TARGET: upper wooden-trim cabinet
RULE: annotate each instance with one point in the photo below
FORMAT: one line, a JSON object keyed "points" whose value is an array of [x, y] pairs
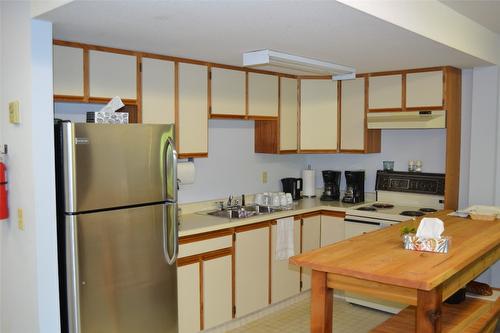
{"points": [[112, 74], [262, 95], [68, 71], [227, 93], [407, 90], [158, 91]]}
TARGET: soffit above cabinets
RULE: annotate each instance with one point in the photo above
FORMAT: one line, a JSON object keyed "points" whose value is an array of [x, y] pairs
{"points": [[220, 31]]}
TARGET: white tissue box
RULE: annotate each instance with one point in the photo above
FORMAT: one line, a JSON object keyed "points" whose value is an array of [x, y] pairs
{"points": [[102, 117], [438, 245]]}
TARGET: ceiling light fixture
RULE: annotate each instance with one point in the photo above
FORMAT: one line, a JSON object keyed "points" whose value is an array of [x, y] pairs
{"points": [[280, 59]]}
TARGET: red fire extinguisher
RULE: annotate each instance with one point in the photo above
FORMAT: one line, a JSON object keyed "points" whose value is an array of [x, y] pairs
{"points": [[4, 206]]}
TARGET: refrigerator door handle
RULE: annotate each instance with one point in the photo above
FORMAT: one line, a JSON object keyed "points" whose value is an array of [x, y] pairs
{"points": [[170, 169], [170, 252], [72, 274]]}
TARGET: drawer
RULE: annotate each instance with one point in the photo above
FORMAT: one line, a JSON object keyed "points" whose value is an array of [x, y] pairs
{"points": [[198, 247]]}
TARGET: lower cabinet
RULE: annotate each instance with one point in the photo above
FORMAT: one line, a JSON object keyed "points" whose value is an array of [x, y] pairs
{"points": [[251, 268], [188, 298], [332, 229], [204, 284], [285, 278], [217, 291], [311, 236]]}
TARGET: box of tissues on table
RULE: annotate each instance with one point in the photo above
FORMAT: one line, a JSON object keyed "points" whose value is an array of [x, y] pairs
{"points": [[428, 237]]}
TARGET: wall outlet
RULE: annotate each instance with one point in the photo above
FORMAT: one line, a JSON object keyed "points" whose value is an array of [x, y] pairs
{"points": [[264, 177], [14, 112], [20, 219]]}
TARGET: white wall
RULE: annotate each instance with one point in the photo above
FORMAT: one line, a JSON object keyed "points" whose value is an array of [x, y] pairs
{"points": [[398, 146], [29, 290], [232, 166]]}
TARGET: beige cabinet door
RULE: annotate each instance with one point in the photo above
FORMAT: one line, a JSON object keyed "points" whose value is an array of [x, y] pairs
{"points": [[318, 115], [193, 109], [332, 229], [285, 278], [385, 92], [262, 95], [311, 237], [353, 229], [288, 114], [188, 298], [217, 291], [352, 117], [158, 91], [68, 71], [251, 270], [228, 92], [112, 74], [424, 89]]}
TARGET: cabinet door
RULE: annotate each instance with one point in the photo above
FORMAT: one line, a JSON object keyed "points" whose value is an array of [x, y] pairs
{"points": [[68, 71], [228, 92], [311, 236], [318, 115], [285, 278], [112, 74], [193, 109], [217, 291], [262, 95], [424, 89], [188, 293], [332, 229], [385, 92], [352, 119], [288, 114], [158, 85], [252, 270]]}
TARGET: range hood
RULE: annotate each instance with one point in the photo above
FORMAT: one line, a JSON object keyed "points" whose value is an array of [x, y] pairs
{"points": [[406, 119]]}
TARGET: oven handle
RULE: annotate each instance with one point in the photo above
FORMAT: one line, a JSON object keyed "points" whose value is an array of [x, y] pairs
{"points": [[363, 222]]}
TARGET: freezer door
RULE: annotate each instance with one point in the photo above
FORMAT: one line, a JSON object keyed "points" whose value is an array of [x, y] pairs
{"points": [[108, 166], [117, 271]]}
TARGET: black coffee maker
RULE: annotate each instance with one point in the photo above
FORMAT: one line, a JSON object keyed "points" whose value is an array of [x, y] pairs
{"points": [[355, 186], [331, 191], [292, 186]]}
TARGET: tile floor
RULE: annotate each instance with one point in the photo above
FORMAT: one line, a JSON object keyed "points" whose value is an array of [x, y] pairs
{"points": [[347, 318]]}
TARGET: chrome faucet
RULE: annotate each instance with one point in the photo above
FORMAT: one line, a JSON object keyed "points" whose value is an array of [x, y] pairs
{"points": [[230, 201]]}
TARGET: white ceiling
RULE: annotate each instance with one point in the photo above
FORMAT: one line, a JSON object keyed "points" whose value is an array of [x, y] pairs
{"points": [[221, 31], [484, 12]]}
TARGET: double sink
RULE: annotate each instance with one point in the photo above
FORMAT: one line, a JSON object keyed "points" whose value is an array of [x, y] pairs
{"points": [[241, 212]]}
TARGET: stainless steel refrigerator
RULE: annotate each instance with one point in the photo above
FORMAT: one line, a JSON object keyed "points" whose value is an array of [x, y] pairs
{"points": [[117, 227]]}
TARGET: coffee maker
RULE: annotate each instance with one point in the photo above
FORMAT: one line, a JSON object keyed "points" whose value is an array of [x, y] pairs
{"points": [[292, 186], [331, 191], [355, 186]]}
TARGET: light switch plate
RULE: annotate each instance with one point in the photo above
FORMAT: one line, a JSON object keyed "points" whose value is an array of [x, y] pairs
{"points": [[20, 219], [264, 177], [14, 112]]}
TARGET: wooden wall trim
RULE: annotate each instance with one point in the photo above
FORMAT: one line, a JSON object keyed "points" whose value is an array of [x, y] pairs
{"points": [[205, 236]]}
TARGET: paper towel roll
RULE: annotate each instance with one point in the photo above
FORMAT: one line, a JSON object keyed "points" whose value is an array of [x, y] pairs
{"points": [[185, 172], [309, 183]]}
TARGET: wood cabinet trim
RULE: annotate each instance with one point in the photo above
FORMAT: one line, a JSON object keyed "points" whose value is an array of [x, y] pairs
{"points": [[138, 77], [226, 116], [193, 155], [386, 110], [403, 91], [312, 214], [333, 213], [250, 227], [202, 296], [318, 151], [205, 236], [205, 256], [339, 114]]}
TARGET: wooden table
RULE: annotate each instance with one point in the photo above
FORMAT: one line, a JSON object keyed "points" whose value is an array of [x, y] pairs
{"points": [[376, 264]]}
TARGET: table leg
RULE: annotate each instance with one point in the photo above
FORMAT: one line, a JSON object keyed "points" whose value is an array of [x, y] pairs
{"points": [[321, 304], [428, 316]]}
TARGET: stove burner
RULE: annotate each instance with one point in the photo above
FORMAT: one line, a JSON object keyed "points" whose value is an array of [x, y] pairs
{"points": [[428, 210], [411, 213], [367, 209], [382, 205]]}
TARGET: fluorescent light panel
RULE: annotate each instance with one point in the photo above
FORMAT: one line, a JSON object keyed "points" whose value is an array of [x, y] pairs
{"points": [[280, 59]]}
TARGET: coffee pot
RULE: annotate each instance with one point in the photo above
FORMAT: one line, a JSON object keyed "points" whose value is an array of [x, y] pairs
{"points": [[292, 186]]}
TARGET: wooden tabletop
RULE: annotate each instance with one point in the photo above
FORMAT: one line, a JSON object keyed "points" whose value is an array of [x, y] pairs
{"points": [[379, 256]]}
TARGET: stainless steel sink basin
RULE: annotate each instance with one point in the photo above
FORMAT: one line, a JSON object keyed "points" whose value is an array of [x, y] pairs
{"points": [[244, 212]]}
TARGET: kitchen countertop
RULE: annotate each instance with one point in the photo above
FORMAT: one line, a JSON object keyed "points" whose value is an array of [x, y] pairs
{"points": [[197, 223]]}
